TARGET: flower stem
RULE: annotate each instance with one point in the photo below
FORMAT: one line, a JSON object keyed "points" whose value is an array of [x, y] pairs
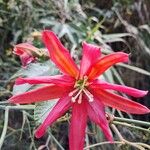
{"points": [[2, 138], [137, 122], [130, 125], [18, 107], [134, 144], [102, 143]]}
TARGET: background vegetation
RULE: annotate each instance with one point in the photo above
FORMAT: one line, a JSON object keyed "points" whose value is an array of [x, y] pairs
{"points": [[116, 25]]}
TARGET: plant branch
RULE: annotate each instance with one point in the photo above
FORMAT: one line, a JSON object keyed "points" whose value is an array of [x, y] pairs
{"points": [[5, 127], [18, 107], [137, 122], [130, 125], [103, 143], [134, 144]]}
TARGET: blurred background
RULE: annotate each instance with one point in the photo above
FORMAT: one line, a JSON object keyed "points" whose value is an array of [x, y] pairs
{"points": [[116, 25]]}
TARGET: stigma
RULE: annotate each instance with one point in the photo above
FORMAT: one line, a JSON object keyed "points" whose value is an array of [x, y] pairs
{"points": [[80, 89]]}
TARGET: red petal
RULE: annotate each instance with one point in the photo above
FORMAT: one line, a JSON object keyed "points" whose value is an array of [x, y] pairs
{"points": [[77, 127], [104, 63], [120, 102], [59, 109], [96, 113], [25, 47], [98, 84], [60, 80], [26, 52], [59, 54], [40, 94], [26, 59], [90, 55]]}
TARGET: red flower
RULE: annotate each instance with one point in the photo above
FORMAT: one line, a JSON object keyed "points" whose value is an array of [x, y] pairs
{"points": [[27, 53], [80, 89]]}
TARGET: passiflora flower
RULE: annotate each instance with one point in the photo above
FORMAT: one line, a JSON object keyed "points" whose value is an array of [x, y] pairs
{"points": [[80, 89], [27, 53]]}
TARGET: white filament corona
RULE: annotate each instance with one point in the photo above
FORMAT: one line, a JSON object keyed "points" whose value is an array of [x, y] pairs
{"points": [[80, 98], [73, 92], [73, 99], [80, 88], [89, 95]]}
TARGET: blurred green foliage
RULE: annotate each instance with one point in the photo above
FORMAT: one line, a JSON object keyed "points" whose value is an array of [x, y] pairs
{"points": [[116, 25]]}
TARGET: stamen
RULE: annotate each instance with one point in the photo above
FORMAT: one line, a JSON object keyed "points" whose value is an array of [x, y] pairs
{"points": [[80, 87], [87, 84], [85, 78], [89, 95], [87, 92], [73, 99], [80, 98], [73, 92], [91, 99]]}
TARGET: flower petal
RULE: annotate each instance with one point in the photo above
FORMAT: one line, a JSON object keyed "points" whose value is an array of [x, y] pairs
{"points": [[25, 47], [120, 102], [60, 80], [96, 113], [40, 94], [26, 59], [77, 127], [27, 53], [90, 55], [59, 54], [59, 109], [99, 84], [104, 63]]}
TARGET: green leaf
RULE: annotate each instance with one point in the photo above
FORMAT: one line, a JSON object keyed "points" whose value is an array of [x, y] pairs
{"points": [[66, 29], [18, 89], [37, 69], [33, 70], [42, 110], [137, 69], [116, 36], [108, 75]]}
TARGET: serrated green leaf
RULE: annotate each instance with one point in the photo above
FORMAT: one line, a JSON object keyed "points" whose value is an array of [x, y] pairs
{"points": [[42, 110], [37, 69]]}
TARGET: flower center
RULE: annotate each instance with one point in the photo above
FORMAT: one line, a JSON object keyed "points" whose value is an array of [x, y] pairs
{"points": [[80, 89]]}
